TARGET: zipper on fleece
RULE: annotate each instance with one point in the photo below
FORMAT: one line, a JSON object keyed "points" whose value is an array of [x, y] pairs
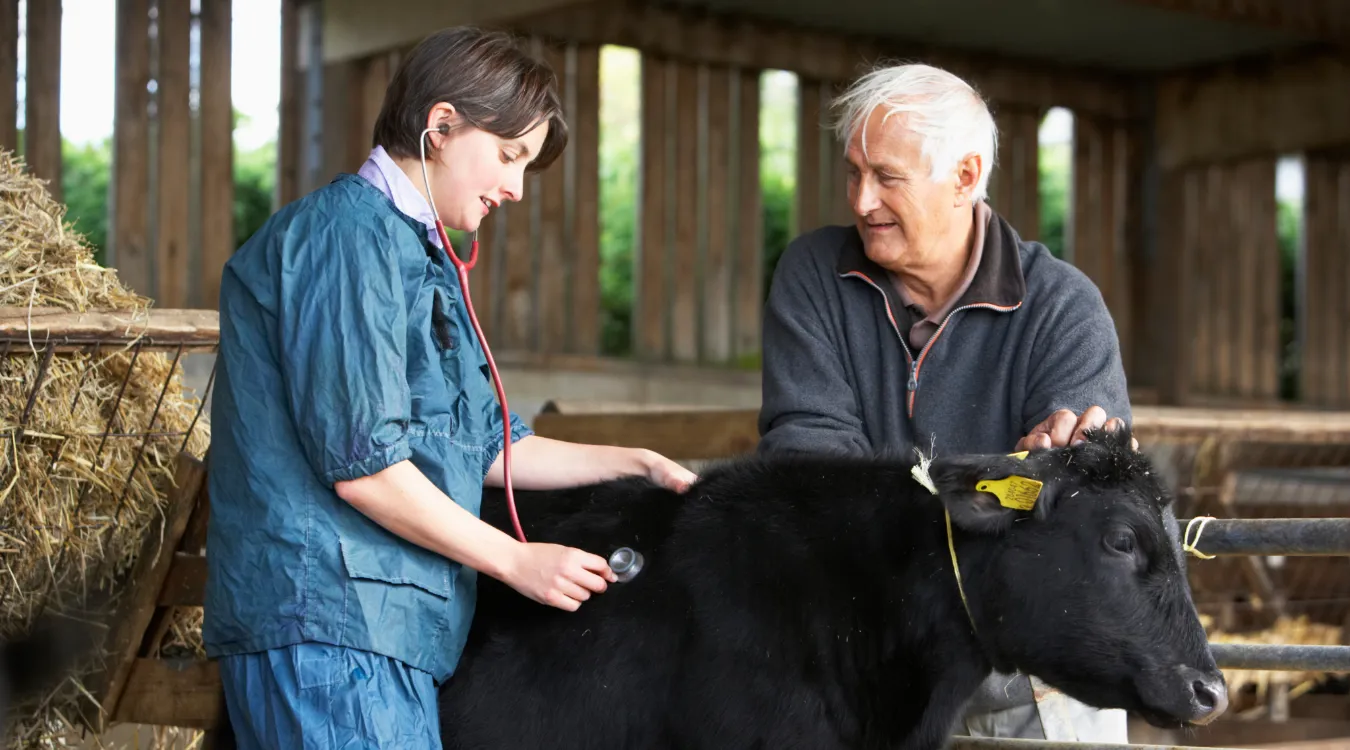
{"points": [[915, 363]]}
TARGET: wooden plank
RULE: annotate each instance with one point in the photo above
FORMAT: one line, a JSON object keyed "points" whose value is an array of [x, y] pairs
{"points": [[217, 147], [172, 154], [555, 264], [1221, 113], [129, 234], [185, 584], [519, 321], [584, 239], [1326, 346], [42, 94], [649, 261], [742, 41], [1097, 245], [372, 81], [807, 213], [684, 253], [145, 581], [289, 110], [717, 197], [703, 434], [747, 220], [1014, 186], [9, 75], [341, 98], [691, 435], [1175, 295], [165, 692], [197, 330]]}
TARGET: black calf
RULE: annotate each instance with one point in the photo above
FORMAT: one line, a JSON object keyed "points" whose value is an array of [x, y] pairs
{"points": [[812, 603]]}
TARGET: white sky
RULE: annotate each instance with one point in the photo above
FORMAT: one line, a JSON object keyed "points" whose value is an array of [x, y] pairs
{"points": [[88, 47]]}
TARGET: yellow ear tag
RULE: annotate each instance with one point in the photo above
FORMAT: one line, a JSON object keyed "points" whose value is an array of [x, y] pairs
{"points": [[1019, 456], [1015, 492]]}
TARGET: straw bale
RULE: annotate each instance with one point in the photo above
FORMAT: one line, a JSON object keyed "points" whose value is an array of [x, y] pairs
{"points": [[73, 512]]}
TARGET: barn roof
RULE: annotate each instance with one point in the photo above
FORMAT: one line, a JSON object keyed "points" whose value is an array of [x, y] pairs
{"points": [[1115, 35]]}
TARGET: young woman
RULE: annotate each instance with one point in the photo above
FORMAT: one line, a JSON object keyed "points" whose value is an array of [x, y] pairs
{"points": [[354, 424]]}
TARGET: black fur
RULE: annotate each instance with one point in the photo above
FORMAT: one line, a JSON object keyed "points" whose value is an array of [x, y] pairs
{"points": [[811, 603]]}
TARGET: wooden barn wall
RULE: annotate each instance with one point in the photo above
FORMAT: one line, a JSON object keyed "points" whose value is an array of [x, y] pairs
{"points": [[1014, 185], [822, 177], [697, 262], [1222, 281], [1104, 231], [171, 196], [1326, 280]]}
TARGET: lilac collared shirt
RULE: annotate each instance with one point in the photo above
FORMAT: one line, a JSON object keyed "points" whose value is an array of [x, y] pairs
{"points": [[381, 171]]}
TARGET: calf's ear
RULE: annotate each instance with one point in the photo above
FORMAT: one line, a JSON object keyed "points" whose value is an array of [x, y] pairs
{"points": [[985, 494]]}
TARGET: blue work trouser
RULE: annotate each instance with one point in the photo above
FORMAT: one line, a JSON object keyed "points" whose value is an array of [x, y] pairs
{"points": [[314, 695]]}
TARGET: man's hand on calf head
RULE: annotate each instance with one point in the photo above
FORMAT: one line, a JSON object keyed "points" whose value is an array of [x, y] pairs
{"points": [[1066, 428]]}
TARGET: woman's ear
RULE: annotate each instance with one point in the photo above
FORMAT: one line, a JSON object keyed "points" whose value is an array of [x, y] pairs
{"points": [[442, 115]]}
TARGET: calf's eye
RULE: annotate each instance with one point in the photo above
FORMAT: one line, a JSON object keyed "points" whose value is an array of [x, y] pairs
{"points": [[1122, 541]]}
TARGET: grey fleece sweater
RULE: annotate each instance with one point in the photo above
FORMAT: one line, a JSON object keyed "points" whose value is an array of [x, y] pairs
{"points": [[1029, 336]]}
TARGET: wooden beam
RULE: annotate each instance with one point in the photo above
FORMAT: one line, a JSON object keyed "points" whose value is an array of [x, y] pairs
{"points": [[217, 148], [290, 122], [128, 210], [185, 584], [747, 42], [583, 94], [145, 581], [176, 693], [1233, 111], [1014, 185], [1325, 340], [747, 223], [197, 330], [9, 75], [1319, 19], [42, 94], [173, 120]]}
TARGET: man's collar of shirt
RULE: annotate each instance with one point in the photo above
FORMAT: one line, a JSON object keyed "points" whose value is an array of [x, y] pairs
{"points": [[381, 171]]}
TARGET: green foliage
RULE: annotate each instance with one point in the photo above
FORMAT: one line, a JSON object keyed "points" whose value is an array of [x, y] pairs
{"points": [[1055, 175], [254, 184], [1288, 221], [84, 183], [620, 152]]}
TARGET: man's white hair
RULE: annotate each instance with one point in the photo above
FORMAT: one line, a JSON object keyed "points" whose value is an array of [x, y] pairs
{"points": [[946, 112]]}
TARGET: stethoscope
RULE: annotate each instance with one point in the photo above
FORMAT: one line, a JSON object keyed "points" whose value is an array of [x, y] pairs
{"points": [[462, 270], [625, 562]]}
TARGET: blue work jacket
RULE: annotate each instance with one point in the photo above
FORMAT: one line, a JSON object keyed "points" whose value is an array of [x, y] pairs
{"points": [[345, 347]]}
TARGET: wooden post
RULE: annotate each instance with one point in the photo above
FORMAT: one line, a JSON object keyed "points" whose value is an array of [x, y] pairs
{"points": [[172, 154], [1014, 185], [747, 220], [9, 75], [217, 148], [129, 217], [289, 111], [583, 95], [42, 121]]}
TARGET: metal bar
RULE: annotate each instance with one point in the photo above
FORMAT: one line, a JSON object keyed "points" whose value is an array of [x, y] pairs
{"points": [[1282, 657], [992, 743], [1271, 536]]}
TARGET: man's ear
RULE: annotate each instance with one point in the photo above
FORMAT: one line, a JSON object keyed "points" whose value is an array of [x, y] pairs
{"points": [[984, 494]]}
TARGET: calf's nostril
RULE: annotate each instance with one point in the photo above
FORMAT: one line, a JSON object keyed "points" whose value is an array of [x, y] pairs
{"points": [[1211, 697]]}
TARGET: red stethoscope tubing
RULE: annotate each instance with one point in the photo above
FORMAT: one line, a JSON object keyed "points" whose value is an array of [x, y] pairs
{"points": [[462, 269]]}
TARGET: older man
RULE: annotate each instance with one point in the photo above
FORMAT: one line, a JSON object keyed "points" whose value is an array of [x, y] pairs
{"points": [[931, 324]]}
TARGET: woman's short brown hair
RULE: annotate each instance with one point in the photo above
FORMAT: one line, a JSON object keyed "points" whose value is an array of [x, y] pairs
{"points": [[490, 80]]}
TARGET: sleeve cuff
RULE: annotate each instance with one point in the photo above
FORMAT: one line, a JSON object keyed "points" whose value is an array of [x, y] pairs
{"points": [[372, 464], [492, 449]]}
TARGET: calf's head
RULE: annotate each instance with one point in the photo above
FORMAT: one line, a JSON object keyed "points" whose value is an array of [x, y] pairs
{"points": [[1087, 588]]}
